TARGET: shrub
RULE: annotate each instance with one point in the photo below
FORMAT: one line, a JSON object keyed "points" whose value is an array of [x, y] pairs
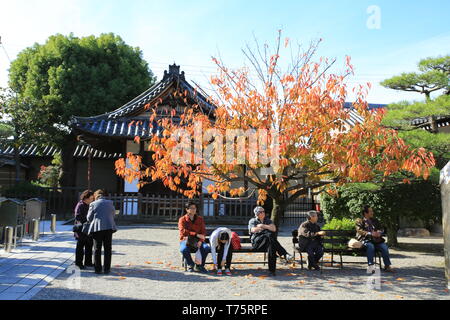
{"points": [[418, 200], [339, 224]]}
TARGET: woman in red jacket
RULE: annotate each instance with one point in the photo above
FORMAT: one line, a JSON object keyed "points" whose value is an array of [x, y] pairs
{"points": [[192, 237]]}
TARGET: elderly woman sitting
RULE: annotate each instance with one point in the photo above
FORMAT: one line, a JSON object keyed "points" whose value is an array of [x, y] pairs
{"points": [[310, 240]]}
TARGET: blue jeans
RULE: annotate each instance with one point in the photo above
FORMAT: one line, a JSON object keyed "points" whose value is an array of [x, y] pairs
{"points": [[382, 247], [186, 251]]}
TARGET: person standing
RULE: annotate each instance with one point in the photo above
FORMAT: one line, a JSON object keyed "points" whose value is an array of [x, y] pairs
{"points": [[221, 250], [84, 241], [370, 232], [101, 216], [192, 236], [262, 236], [309, 231]]}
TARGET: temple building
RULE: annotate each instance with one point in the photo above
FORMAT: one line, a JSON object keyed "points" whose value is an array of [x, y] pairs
{"points": [[114, 132]]}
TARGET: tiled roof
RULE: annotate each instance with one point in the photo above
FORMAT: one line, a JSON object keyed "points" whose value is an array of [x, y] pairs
{"points": [[82, 151], [123, 121]]}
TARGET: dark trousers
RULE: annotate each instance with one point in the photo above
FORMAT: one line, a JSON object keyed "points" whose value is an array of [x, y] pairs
{"points": [[229, 257], [267, 241], [83, 249], [102, 239], [315, 252]]}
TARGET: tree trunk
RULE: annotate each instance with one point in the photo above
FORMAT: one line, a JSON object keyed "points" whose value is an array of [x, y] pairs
{"points": [[277, 211], [391, 231], [433, 124], [68, 175], [17, 160]]}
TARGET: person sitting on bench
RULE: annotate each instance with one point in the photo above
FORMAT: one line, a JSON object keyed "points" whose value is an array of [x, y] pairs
{"points": [[262, 235], [220, 241], [310, 240], [192, 236], [369, 231]]}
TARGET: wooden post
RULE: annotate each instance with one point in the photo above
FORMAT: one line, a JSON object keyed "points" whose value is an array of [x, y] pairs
{"points": [[445, 196]]}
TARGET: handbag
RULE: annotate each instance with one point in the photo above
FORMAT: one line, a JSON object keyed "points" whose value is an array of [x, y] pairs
{"points": [[192, 242], [235, 241], [77, 227], [355, 244], [303, 243], [85, 228]]}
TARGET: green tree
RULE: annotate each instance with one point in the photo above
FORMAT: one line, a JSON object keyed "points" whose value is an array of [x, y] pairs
{"points": [[6, 131], [400, 115], [434, 76], [391, 201], [69, 76]]}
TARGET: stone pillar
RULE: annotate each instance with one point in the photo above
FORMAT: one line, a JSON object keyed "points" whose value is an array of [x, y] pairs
{"points": [[445, 195]]}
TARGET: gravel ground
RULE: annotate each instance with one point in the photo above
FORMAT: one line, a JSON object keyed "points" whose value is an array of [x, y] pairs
{"points": [[146, 264]]}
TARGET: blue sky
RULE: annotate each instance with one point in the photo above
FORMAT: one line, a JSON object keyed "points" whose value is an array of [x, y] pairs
{"points": [[190, 32]]}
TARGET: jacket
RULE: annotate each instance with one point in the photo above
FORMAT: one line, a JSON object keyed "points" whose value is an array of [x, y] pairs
{"points": [[307, 233], [186, 227], [214, 243], [363, 227], [101, 216]]}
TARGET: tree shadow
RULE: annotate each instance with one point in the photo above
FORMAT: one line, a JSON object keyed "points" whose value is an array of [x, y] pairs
{"points": [[135, 242], [149, 273]]}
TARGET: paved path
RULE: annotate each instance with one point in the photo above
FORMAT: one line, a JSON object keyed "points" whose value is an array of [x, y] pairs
{"points": [[146, 265], [30, 267]]}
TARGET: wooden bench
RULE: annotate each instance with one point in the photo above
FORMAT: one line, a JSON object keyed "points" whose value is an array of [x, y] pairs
{"points": [[336, 243], [246, 247]]}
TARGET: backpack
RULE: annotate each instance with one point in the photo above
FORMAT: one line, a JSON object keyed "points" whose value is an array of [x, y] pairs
{"points": [[235, 241]]}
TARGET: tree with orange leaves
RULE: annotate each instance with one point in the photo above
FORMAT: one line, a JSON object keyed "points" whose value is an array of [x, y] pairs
{"points": [[280, 134]]}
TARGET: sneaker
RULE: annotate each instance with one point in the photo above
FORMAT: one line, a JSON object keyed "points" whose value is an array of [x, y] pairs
{"points": [[289, 258], [219, 272], [190, 269], [371, 269], [201, 269], [316, 267], [81, 266], [389, 269], [228, 272]]}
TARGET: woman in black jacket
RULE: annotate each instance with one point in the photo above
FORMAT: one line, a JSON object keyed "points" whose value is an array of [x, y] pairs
{"points": [[84, 241]]}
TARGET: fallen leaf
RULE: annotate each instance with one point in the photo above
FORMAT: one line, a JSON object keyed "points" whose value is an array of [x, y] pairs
{"points": [[262, 277], [237, 294], [148, 262], [400, 279], [252, 282], [160, 262], [332, 281], [122, 278], [301, 282], [399, 297]]}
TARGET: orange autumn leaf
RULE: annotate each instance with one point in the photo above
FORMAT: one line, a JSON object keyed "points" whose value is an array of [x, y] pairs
{"points": [[253, 282], [148, 262], [294, 117], [122, 278], [400, 279]]}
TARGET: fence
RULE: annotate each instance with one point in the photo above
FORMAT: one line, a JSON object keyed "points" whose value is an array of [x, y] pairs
{"points": [[142, 207], [170, 207]]}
